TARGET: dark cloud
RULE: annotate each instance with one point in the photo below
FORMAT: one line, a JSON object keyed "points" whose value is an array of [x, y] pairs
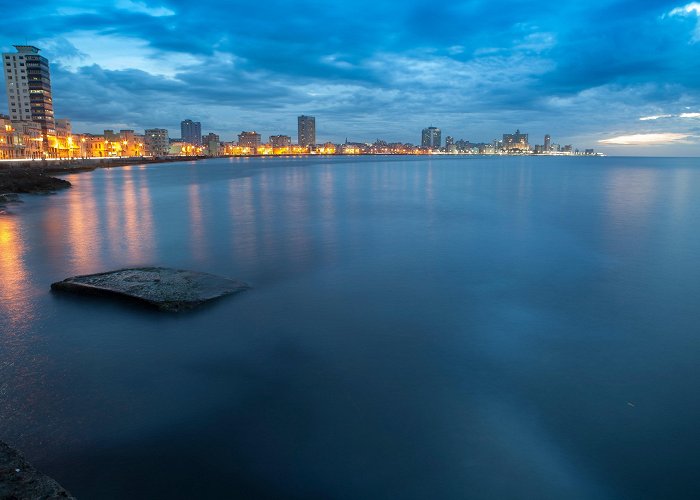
{"points": [[367, 69]]}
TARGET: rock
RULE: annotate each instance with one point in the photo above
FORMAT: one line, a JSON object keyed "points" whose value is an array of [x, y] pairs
{"points": [[19, 480], [9, 197], [167, 289], [29, 180]]}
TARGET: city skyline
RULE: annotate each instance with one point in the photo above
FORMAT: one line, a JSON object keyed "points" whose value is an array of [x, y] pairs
{"points": [[126, 65]]}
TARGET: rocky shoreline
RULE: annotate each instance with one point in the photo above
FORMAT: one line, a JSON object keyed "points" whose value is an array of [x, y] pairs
{"points": [[27, 180], [20, 480], [33, 176]]}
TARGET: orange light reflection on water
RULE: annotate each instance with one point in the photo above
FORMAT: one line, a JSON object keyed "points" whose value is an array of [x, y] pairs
{"points": [[15, 286]]}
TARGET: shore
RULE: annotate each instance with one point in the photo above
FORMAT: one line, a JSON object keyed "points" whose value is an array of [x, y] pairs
{"points": [[20, 480], [34, 176]]}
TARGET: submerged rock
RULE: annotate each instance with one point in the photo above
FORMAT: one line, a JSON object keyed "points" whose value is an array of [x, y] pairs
{"points": [[167, 289], [19, 480]]}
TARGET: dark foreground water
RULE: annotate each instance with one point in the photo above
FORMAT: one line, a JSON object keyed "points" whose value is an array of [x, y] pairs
{"points": [[419, 328]]}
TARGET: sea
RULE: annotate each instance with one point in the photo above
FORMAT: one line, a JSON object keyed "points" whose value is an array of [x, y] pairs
{"points": [[444, 327]]}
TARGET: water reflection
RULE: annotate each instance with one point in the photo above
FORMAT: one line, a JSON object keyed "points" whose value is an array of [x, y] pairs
{"points": [[137, 229], [15, 288], [196, 235], [83, 226]]}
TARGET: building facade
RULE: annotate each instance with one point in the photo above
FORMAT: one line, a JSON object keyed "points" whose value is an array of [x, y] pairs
{"points": [[547, 143], [28, 85], [306, 130], [191, 132], [212, 144], [249, 139], [157, 142], [280, 141], [431, 138], [516, 141]]}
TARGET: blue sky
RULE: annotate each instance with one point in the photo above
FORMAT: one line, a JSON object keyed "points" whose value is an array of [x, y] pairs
{"points": [[625, 72]]}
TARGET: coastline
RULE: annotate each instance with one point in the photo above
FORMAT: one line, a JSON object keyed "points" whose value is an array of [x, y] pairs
{"points": [[36, 176]]}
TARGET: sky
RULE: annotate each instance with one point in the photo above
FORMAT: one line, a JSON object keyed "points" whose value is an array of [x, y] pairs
{"points": [[622, 77]]}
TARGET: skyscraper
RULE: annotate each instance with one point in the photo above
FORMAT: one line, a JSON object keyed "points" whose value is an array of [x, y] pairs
{"points": [[306, 130], [547, 142], [431, 138], [191, 132], [28, 85]]}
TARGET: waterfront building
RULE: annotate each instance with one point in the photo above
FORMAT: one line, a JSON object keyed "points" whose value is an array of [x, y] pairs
{"points": [[431, 138], [306, 130], [191, 132], [547, 143], [8, 149], [28, 85], [63, 144], [249, 140], [280, 141], [29, 137], [516, 141], [157, 142], [212, 144], [450, 146]]}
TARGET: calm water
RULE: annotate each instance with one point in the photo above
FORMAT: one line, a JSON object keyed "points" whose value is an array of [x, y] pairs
{"points": [[445, 328]]}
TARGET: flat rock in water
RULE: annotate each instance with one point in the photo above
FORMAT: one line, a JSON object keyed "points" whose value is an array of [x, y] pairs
{"points": [[164, 288], [19, 480]]}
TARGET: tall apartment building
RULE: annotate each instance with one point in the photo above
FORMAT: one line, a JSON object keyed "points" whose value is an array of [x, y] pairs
{"points": [[191, 132], [28, 85], [157, 142], [547, 142], [306, 130], [431, 138]]}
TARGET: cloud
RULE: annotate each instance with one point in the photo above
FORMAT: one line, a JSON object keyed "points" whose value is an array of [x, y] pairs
{"points": [[689, 115], [654, 117], [645, 139], [691, 9], [144, 8], [154, 62]]}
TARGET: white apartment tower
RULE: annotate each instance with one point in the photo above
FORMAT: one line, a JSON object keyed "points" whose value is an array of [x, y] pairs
{"points": [[28, 85]]}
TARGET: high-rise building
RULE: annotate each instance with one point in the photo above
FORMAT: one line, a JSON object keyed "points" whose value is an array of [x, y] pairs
{"points": [[515, 141], [431, 138], [249, 139], [157, 142], [306, 128], [191, 132], [547, 142], [28, 85]]}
